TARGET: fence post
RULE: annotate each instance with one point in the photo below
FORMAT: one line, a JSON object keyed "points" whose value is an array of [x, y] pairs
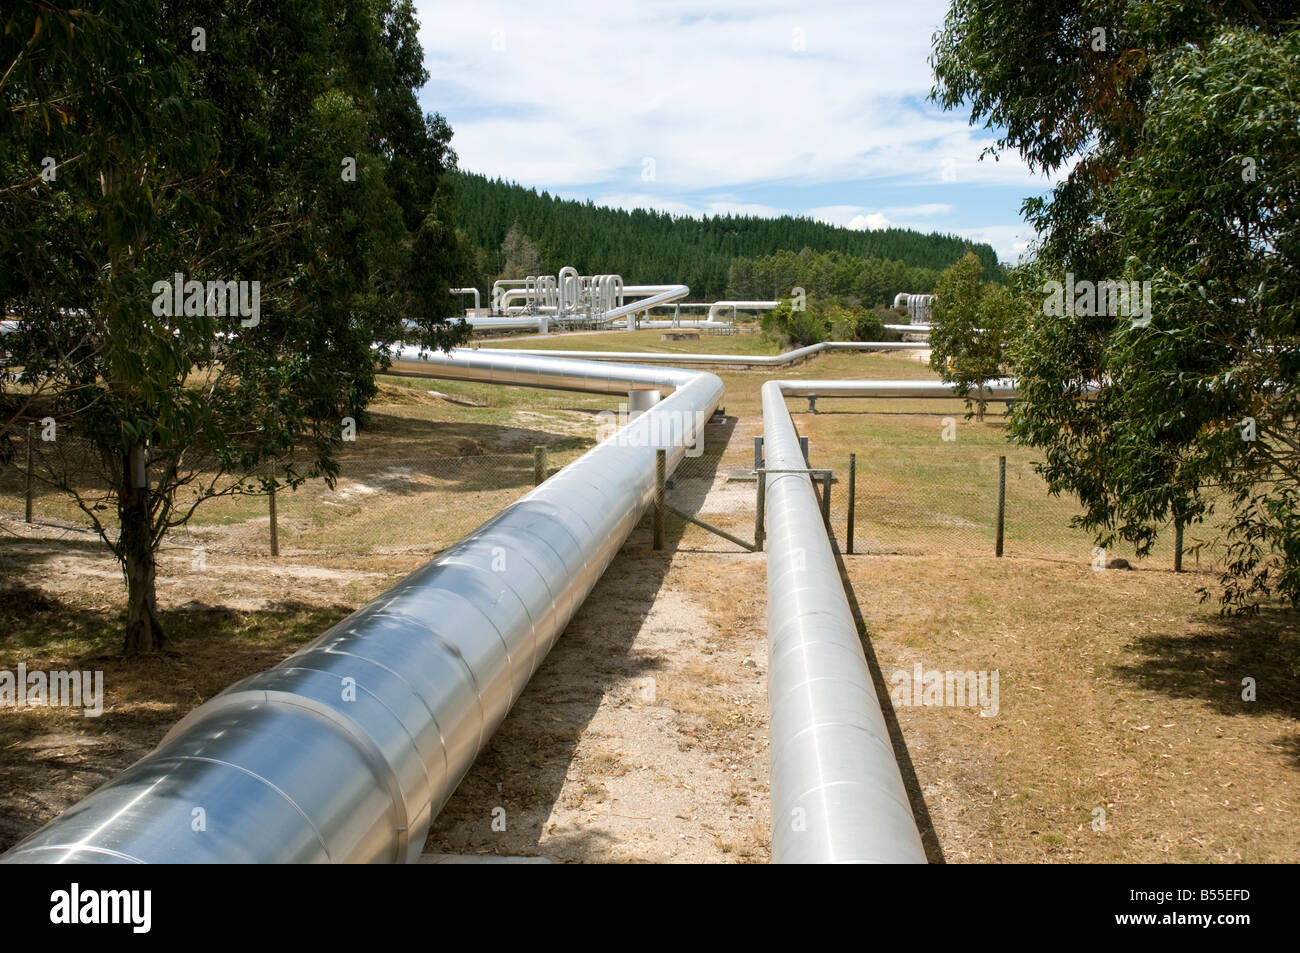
{"points": [[853, 495], [826, 503], [803, 445], [1178, 545], [275, 529], [28, 491], [539, 465], [758, 453], [760, 526], [1002, 500], [661, 476]]}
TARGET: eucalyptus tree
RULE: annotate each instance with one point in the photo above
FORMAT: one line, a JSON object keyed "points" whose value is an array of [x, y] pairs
{"points": [[1176, 128], [971, 320], [247, 198]]}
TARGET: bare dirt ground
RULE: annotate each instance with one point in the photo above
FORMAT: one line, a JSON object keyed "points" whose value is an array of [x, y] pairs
{"points": [[643, 737]]}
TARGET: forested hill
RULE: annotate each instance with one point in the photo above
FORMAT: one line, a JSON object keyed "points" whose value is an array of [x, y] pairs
{"points": [[649, 247]]}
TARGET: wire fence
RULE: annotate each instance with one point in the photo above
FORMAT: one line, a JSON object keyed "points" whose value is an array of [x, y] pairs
{"points": [[927, 499], [909, 500], [950, 499], [378, 505]]}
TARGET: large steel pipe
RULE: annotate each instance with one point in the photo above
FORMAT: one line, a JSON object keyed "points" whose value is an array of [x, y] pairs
{"points": [[718, 306], [1002, 389], [837, 793], [746, 360], [345, 751]]}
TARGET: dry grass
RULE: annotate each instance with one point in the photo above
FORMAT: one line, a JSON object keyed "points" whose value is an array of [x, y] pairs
{"points": [[1118, 690], [53, 757], [643, 736]]}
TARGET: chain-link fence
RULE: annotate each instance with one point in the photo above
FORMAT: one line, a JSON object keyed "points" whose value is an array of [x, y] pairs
{"points": [[379, 504]]}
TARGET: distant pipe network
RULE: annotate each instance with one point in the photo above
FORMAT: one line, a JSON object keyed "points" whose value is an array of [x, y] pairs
{"points": [[533, 303], [468, 291], [918, 306]]}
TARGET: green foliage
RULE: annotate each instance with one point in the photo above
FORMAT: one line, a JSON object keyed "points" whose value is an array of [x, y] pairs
{"points": [[822, 320], [1152, 425], [971, 320], [656, 247], [860, 281], [224, 164], [793, 327]]}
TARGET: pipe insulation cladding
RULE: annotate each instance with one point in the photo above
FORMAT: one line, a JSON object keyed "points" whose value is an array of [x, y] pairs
{"points": [[837, 793], [347, 750], [745, 360]]}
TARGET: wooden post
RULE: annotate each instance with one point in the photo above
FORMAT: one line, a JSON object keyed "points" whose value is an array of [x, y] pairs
{"points": [[1178, 545], [826, 502], [853, 495], [539, 465], [30, 486], [275, 529], [760, 527], [1002, 501], [661, 477]]}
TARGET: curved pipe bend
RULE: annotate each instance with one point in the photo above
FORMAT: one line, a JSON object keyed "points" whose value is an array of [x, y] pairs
{"points": [[348, 749]]}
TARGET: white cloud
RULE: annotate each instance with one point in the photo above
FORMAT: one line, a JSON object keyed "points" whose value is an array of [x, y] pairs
{"points": [[1009, 241], [857, 216], [718, 99], [873, 221], [575, 96]]}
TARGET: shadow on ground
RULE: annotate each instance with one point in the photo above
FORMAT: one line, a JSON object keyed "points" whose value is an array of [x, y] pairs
{"points": [[1211, 662], [915, 797], [51, 758], [524, 767]]}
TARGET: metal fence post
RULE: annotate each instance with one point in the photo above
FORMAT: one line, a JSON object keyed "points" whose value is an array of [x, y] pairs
{"points": [[760, 525], [1002, 500], [539, 465], [661, 476], [275, 529], [853, 494], [803, 445], [28, 491]]}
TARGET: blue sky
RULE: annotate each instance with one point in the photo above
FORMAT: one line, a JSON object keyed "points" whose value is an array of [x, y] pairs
{"points": [[816, 109]]}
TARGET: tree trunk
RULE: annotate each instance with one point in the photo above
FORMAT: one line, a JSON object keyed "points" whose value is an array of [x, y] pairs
{"points": [[144, 631]]}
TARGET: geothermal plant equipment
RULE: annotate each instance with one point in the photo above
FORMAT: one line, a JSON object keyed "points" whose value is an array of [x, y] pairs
{"points": [[543, 303]]}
